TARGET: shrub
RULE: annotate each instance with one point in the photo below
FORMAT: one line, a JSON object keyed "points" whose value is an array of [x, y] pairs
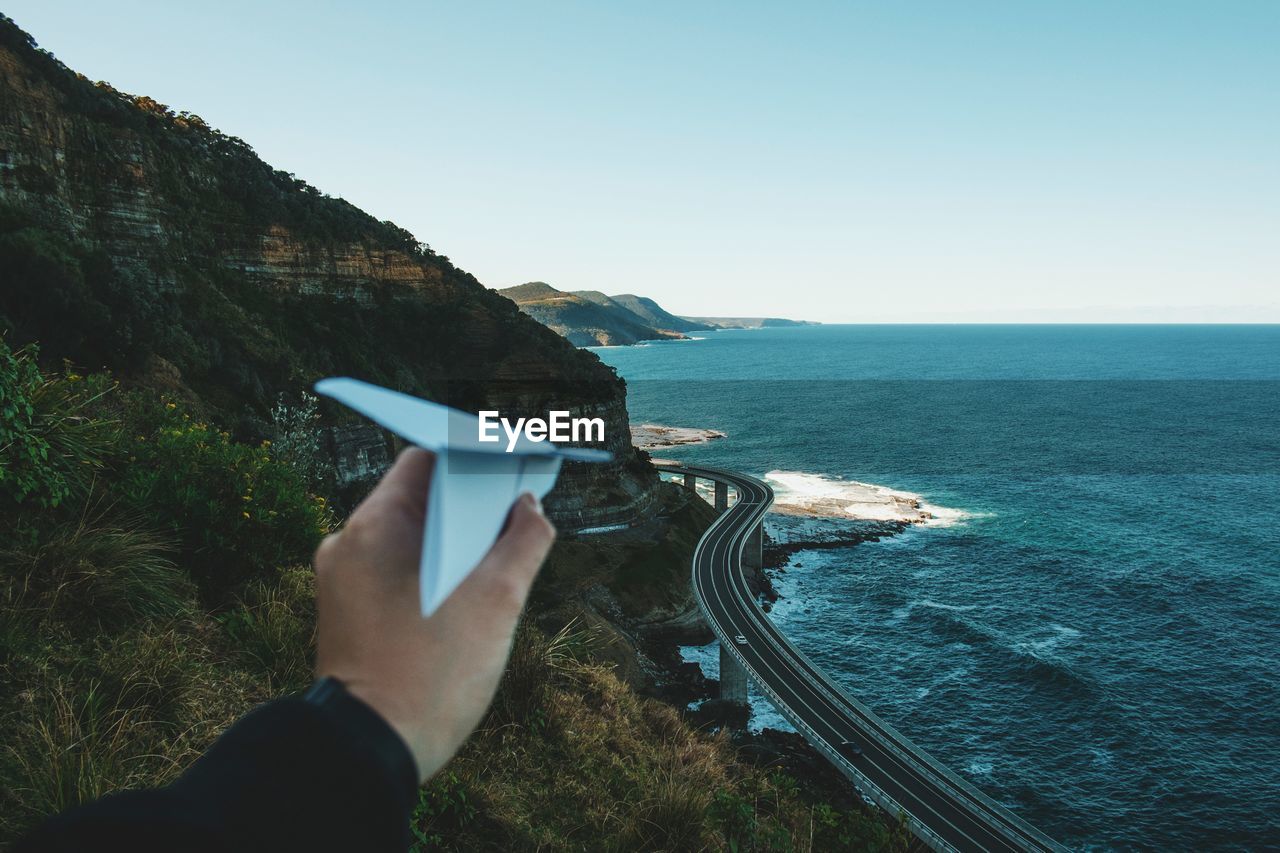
{"points": [[236, 510], [444, 807], [25, 472], [49, 445], [296, 437]]}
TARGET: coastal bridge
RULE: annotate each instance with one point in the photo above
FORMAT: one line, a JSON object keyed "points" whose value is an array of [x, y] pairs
{"points": [[940, 808]]}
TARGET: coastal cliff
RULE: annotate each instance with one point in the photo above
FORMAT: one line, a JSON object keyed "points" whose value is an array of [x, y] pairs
{"points": [[589, 318], [586, 318], [142, 240]]}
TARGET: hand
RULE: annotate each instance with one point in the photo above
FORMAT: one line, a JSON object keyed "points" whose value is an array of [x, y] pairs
{"points": [[431, 679]]}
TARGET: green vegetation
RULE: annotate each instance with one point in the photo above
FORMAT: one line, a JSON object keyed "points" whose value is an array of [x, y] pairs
{"points": [[140, 616], [129, 636], [154, 579]]}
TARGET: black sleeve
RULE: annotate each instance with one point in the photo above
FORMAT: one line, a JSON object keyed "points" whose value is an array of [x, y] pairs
{"points": [[324, 772]]}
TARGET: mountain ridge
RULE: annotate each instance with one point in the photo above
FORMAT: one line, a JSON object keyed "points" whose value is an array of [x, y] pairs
{"points": [[585, 318]]}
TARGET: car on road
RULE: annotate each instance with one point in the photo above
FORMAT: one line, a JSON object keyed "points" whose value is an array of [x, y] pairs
{"points": [[850, 749], [740, 640]]}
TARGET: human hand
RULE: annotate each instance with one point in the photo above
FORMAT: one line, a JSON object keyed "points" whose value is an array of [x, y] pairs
{"points": [[431, 679]]}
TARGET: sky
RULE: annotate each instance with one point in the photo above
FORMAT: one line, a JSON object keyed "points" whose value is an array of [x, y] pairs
{"points": [[908, 161]]}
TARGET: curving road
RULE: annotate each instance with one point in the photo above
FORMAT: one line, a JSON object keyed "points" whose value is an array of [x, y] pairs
{"points": [[943, 810]]}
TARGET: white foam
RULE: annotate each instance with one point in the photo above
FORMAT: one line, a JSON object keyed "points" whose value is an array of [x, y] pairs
{"points": [[939, 606], [1061, 634], [800, 493], [900, 613]]}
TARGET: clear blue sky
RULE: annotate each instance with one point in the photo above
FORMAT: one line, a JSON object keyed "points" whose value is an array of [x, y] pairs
{"points": [[851, 161]]}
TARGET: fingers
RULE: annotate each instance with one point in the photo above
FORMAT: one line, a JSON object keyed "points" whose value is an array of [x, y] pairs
{"points": [[514, 560]]}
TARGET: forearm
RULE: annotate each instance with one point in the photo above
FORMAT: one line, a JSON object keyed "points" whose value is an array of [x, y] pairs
{"points": [[292, 774]]}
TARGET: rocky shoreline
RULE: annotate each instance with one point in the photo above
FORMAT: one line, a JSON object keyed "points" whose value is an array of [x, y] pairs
{"points": [[650, 437], [652, 639], [683, 683]]}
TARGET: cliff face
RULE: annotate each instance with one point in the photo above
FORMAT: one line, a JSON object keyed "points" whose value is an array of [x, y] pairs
{"points": [[143, 241]]}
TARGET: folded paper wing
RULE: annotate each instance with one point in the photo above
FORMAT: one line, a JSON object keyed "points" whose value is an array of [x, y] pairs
{"points": [[473, 485]]}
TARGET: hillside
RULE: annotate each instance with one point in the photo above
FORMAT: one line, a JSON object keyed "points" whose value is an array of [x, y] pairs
{"points": [[585, 318], [656, 315], [140, 239]]}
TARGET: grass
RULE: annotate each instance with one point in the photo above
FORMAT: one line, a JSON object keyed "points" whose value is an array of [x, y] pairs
{"points": [[117, 669], [273, 629], [569, 756], [93, 575], [77, 749], [607, 769]]}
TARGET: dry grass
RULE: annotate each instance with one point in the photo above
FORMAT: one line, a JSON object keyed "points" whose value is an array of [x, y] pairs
{"points": [[122, 712], [273, 630], [611, 770], [94, 576], [77, 749], [569, 757]]}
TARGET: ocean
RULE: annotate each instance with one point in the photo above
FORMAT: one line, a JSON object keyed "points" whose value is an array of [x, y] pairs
{"points": [[1090, 629]]}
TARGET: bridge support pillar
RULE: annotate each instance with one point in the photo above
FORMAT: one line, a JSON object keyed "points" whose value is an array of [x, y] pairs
{"points": [[722, 495], [691, 482], [753, 549], [733, 678]]}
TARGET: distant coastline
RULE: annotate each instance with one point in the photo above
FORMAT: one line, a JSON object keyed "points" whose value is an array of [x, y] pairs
{"points": [[751, 322], [590, 318]]}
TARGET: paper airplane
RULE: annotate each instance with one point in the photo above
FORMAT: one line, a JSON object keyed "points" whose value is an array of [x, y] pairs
{"points": [[473, 485]]}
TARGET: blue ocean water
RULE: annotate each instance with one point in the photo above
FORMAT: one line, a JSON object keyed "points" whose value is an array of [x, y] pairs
{"points": [[1095, 641]]}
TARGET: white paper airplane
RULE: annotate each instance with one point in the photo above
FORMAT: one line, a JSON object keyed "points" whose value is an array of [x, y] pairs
{"points": [[473, 485]]}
